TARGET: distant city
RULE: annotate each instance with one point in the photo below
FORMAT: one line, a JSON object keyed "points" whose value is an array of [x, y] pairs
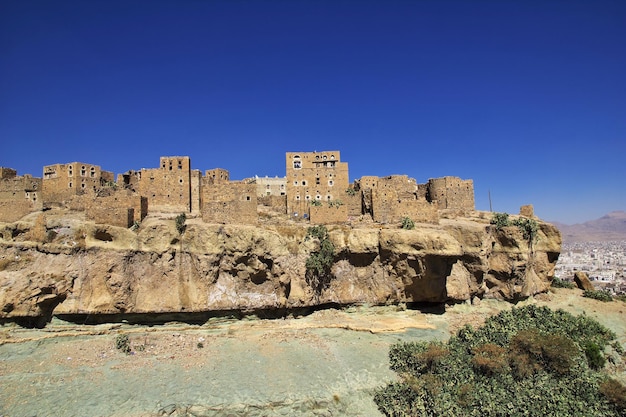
{"points": [[603, 261]]}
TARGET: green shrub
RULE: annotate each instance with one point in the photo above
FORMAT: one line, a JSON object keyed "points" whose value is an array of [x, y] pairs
{"points": [[529, 228], [595, 359], [320, 262], [561, 283], [407, 224], [350, 191], [529, 361], [315, 203], [180, 223], [500, 220], [604, 296], [122, 342]]}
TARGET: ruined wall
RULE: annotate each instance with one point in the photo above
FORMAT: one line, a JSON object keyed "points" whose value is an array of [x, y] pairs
{"points": [[353, 203], [326, 214], [6, 173], [217, 176], [396, 197], [62, 181], [451, 193], [229, 203], [196, 191], [115, 200], [114, 216], [19, 195], [314, 176]]}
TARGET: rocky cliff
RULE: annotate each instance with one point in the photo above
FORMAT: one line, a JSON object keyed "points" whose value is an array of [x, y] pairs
{"points": [[77, 268]]}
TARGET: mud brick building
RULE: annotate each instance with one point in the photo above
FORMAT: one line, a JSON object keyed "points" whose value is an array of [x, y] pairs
{"points": [[19, 195], [314, 176], [63, 181]]}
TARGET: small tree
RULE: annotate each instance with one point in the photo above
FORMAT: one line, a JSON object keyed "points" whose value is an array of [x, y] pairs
{"points": [[180, 223]]}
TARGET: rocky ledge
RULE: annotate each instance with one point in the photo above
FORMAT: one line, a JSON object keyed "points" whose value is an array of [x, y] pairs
{"points": [[57, 266]]}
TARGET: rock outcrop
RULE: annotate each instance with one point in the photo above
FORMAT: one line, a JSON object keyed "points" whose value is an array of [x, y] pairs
{"points": [[81, 268]]}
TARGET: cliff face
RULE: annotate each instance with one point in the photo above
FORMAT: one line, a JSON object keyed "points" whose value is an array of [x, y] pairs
{"points": [[91, 269]]}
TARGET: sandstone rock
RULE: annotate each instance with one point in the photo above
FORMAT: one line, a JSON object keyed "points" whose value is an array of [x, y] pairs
{"points": [[582, 281], [94, 269]]}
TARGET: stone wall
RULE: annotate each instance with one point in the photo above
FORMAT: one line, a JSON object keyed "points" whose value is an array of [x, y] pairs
{"points": [[12, 211], [19, 195], [114, 216], [229, 203], [277, 203], [6, 173], [326, 214]]}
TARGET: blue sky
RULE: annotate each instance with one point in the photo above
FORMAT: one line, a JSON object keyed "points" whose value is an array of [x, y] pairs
{"points": [[527, 98]]}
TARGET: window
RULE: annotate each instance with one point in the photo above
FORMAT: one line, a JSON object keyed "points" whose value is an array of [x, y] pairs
{"points": [[247, 198], [325, 157], [330, 183], [303, 182], [332, 157], [69, 185], [297, 164], [295, 183], [308, 197], [318, 197], [317, 181], [328, 197], [298, 198]]}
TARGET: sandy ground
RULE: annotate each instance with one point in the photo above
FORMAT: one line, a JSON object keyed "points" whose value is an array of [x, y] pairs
{"points": [[324, 364]]}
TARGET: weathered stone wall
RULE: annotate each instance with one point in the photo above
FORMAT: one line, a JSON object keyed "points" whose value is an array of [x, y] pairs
{"points": [[196, 191], [314, 176], [6, 173], [62, 181], [451, 193], [277, 203], [326, 214], [168, 188], [12, 211], [114, 216], [19, 195], [229, 203], [353, 203], [217, 176], [395, 197], [115, 200]]}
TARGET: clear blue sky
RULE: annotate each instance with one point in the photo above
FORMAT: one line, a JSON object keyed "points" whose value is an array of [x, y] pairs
{"points": [[527, 98]]}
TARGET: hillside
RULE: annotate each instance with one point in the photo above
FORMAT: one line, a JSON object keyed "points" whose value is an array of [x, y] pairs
{"points": [[610, 227]]}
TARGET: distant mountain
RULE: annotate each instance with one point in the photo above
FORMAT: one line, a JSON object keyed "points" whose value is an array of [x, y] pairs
{"points": [[608, 228]]}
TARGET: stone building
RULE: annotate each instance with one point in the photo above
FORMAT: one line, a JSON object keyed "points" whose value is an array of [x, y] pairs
{"points": [[269, 186], [173, 187], [63, 181], [451, 193], [19, 195], [217, 176], [390, 199], [314, 176]]}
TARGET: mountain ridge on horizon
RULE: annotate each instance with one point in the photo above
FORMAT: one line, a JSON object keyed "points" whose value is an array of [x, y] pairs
{"points": [[610, 227]]}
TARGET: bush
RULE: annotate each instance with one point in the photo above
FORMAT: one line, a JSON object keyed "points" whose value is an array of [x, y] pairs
{"points": [[529, 361], [615, 392], [529, 228], [407, 224], [500, 220], [561, 283], [320, 262], [122, 342], [180, 223], [604, 296]]}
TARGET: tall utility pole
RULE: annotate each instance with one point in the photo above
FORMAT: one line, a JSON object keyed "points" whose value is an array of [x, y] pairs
{"points": [[490, 209]]}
